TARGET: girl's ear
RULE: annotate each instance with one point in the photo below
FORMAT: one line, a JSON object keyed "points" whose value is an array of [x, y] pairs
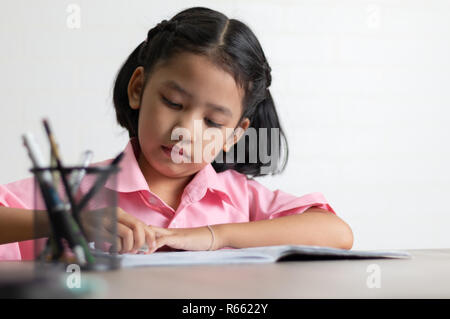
{"points": [[237, 134], [135, 87]]}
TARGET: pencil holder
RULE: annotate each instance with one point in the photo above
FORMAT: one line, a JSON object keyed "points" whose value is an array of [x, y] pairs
{"points": [[75, 217]]}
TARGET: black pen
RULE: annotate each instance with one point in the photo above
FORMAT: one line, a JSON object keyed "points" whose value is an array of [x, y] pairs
{"points": [[44, 180], [59, 165]]}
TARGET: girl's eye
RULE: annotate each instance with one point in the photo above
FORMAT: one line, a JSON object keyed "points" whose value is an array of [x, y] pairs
{"points": [[170, 103], [211, 123], [179, 106]]}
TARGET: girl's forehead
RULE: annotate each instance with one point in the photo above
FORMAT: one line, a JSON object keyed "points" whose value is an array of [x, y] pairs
{"points": [[196, 66]]}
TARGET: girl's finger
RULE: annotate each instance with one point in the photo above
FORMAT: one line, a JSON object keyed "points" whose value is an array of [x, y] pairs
{"points": [[138, 236], [105, 241], [118, 244], [113, 231], [150, 240], [130, 231], [127, 219], [112, 243], [102, 238], [126, 236]]}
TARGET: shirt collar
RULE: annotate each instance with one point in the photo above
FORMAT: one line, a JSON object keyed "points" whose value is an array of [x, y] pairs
{"points": [[130, 178], [207, 179]]}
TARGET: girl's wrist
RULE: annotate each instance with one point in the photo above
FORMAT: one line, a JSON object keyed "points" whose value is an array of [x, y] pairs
{"points": [[220, 236]]}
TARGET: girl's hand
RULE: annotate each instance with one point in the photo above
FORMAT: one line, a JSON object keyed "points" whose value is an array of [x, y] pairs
{"points": [[132, 233], [198, 238]]}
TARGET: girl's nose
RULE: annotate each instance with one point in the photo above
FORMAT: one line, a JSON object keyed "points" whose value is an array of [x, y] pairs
{"points": [[191, 127]]}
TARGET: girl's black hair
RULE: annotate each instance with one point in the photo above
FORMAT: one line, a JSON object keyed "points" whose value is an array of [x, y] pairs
{"points": [[231, 45]]}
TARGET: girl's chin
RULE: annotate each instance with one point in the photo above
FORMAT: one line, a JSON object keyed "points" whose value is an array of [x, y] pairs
{"points": [[171, 169]]}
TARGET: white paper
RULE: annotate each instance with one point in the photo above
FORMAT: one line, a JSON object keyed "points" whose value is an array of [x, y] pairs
{"points": [[265, 254]]}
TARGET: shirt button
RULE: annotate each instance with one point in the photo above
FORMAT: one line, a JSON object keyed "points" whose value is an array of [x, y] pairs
{"points": [[152, 201]]}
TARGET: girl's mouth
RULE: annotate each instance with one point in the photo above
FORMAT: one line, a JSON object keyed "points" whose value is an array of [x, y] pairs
{"points": [[168, 150]]}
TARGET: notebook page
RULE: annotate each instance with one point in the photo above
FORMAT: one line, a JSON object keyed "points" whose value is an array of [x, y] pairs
{"points": [[225, 256], [264, 254]]}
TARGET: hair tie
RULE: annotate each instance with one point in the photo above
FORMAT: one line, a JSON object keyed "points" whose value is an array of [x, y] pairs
{"points": [[164, 25], [267, 69]]}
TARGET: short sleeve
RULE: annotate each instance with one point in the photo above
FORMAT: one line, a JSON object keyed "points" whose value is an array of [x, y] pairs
{"points": [[18, 194], [267, 204]]}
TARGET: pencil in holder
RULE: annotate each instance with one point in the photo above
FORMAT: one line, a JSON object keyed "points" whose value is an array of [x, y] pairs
{"points": [[77, 229]]}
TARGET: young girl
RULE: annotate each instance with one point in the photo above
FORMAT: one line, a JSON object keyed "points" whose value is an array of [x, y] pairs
{"points": [[198, 72]]}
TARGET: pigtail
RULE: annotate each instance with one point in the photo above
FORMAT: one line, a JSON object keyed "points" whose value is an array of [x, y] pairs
{"points": [[270, 148], [266, 116], [125, 115]]}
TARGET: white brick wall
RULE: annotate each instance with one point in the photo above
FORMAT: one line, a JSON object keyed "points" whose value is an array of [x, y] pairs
{"points": [[362, 88]]}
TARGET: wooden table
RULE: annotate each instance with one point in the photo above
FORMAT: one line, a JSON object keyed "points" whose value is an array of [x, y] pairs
{"points": [[425, 275]]}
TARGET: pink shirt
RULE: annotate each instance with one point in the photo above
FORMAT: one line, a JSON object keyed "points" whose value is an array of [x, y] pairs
{"points": [[210, 198]]}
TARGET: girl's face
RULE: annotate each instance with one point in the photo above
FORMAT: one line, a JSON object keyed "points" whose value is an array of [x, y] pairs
{"points": [[193, 98]]}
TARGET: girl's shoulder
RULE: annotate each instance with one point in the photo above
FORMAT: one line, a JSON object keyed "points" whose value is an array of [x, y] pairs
{"points": [[233, 177]]}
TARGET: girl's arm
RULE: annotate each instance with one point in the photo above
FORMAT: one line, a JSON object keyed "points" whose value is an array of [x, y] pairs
{"points": [[315, 226], [17, 224]]}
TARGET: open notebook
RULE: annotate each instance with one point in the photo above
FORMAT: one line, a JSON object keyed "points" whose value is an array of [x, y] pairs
{"points": [[266, 254]]}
